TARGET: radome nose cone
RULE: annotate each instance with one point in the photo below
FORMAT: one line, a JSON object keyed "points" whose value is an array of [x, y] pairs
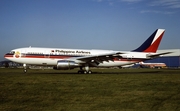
{"points": [[8, 55]]}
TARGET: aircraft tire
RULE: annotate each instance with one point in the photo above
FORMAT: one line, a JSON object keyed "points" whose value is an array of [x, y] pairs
{"points": [[84, 72], [89, 72]]}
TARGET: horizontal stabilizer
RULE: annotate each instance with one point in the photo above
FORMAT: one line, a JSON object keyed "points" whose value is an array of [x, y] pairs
{"points": [[158, 54]]}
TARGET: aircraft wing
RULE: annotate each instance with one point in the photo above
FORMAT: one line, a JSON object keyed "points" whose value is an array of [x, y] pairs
{"points": [[158, 54], [100, 58]]}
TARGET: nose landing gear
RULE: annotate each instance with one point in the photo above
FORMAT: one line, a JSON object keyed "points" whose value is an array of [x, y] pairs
{"points": [[25, 68]]}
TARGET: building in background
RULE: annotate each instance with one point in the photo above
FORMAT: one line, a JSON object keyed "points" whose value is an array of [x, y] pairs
{"points": [[171, 60]]}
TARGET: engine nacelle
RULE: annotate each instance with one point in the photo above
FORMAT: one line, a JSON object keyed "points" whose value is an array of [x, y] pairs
{"points": [[65, 65]]}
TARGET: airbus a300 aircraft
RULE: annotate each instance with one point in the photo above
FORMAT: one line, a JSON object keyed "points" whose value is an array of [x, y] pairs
{"points": [[61, 58]]}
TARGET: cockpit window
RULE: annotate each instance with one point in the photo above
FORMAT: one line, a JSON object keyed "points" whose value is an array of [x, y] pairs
{"points": [[12, 52]]}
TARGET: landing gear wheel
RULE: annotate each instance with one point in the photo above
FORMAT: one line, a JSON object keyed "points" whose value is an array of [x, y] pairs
{"points": [[89, 72], [25, 70], [81, 72], [84, 72]]}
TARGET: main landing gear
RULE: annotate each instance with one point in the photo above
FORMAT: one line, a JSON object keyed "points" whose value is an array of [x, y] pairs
{"points": [[86, 71]]}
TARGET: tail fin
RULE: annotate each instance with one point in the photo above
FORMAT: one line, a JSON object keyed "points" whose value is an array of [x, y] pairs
{"points": [[152, 43]]}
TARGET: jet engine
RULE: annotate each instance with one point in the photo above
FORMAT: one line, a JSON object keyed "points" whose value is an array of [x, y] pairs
{"points": [[65, 65]]}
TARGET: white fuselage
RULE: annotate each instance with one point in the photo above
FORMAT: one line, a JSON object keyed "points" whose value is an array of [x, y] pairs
{"points": [[50, 56]]}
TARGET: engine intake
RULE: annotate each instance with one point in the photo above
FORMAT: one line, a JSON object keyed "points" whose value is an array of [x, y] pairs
{"points": [[65, 65]]}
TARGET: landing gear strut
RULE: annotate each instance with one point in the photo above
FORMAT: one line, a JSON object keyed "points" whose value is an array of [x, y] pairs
{"points": [[25, 68], [86, 71]]}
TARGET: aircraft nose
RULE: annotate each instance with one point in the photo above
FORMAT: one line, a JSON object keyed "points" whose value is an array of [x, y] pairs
{"points": [[8, 55], [5, 55]]}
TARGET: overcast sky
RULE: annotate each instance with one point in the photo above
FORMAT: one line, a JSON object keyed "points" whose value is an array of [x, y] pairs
{"points": [[87, 24]]}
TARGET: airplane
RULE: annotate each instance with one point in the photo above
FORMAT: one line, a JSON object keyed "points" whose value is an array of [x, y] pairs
{"points": [[64, 59], [152, 65]]}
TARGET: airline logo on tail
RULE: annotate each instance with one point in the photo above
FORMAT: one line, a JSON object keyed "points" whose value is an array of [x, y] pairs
{"points": [[152, 43]]}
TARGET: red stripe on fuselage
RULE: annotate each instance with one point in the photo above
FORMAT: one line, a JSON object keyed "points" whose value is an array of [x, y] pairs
{"points": [[40, 56], [8, 55], [47, 56], [66, 57], [130, 60]]}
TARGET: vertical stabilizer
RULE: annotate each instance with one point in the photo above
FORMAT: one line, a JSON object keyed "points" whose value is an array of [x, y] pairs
{"points": [[152, 43]]}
